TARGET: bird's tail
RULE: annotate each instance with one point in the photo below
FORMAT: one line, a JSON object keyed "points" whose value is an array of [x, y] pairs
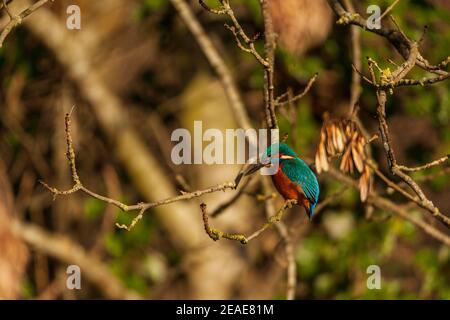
{"points": [[311, 210]]}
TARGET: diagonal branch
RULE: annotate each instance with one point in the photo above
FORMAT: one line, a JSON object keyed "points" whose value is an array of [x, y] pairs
{"points": [[279, 100], [142, 206], [396, 37], [395, 169], [16, 20], [426, 166], [394, 208], [216, 234], [217, 63]]}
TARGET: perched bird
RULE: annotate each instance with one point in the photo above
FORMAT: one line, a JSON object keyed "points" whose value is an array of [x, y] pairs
{"points": [[294, 180]]}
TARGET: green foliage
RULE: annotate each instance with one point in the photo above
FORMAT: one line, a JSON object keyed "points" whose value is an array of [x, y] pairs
{"points": [[328, 269], [302, 68], [93, 208], [154, 5], [126, 248], [434, 264], [148, 7], [28, 289]]}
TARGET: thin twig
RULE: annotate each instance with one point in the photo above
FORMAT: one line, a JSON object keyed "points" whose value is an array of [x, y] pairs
{"points": [[425, 166], [11, 16], [444, 63], [392, 207], [388, 9], [217, 63], [272, 219], [222, 207], [7, 2], [329, 199], [397, 38], [211, 10], [293, 99], [16, 20], [283, 231], [392, 184], [384, 130], [420, 82], [269, 47], [396, 76], [216, 234], [142, 206], [355, 35]]}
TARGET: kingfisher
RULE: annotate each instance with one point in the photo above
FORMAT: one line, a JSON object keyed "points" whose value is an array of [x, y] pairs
{"points": [[294, 179]]}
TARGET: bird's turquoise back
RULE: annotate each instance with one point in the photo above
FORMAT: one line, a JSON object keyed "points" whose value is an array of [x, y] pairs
{"points": [[300, 173]]}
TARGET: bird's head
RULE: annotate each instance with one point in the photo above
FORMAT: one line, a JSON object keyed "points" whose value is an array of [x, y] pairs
{"points": [[277, 153]]}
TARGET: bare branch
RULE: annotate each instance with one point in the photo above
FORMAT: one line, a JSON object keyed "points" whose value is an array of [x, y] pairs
{"points": [[392, 207], [251, 49], [211, 10], [396, 37], [391, 79], [329, 199], [217, 63], [293, 99], [421, 82], [269, 86], [216, 234], [284, 233], [142, 206], [7, 2], [394, 167], [355, 36], [388, 9], [363, 76], [220, 208], [426, 166], [444, 63], [11, 16], [16, 20]]}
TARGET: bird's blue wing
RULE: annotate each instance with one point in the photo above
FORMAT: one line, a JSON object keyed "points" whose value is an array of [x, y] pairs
{"points": [[299, 172]]}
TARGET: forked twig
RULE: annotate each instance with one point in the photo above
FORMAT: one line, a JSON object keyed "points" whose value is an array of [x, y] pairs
{"points": [[216, 234], [141, 206]]}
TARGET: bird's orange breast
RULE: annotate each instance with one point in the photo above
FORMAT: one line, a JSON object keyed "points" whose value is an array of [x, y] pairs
{"points": [[288, 189], [285, 187]]}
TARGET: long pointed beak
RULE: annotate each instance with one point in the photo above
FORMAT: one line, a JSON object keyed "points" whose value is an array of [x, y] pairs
{"points": [[248, 171], [253, 168]]}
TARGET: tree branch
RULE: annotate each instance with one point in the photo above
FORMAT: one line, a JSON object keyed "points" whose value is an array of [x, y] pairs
{"points": [[142, 206], [397, 38], [279, 102], [394, 208], [217, 63], [16, 20], [269, 86], [216, 234]]}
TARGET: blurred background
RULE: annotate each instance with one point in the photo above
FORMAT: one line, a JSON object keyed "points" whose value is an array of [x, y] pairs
{"points": [[136, 73]]}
